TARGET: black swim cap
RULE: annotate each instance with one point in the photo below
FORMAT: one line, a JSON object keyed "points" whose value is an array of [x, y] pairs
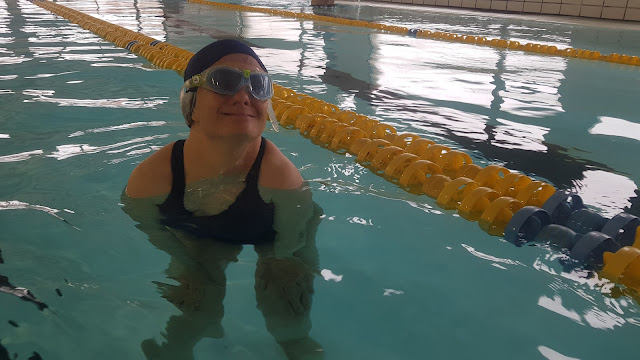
{"points": [[215, 51]]}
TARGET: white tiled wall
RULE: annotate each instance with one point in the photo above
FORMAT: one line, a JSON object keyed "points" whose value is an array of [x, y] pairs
{"points": [[604, 9]]}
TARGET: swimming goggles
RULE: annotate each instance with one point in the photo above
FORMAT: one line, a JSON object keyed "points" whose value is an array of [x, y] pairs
{"points": [[228, 81]]}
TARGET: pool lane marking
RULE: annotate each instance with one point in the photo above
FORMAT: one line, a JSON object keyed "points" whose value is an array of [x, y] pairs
{"points": [[440, 35]]}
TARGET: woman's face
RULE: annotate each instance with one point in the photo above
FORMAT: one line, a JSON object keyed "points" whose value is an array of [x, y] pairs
{"points": [[238, 115]]}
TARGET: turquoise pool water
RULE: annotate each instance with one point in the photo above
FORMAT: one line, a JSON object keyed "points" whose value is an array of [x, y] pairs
{"points": [[402, 278]]}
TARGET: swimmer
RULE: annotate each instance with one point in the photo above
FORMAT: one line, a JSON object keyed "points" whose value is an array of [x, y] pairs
{"points": [[201, 199]]}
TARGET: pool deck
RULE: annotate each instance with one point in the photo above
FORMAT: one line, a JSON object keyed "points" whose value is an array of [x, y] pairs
{"points": [[561, 19]]}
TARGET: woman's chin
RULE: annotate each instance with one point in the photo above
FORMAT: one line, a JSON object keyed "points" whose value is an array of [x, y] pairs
{"points": [[241, 131], [239, 128]]}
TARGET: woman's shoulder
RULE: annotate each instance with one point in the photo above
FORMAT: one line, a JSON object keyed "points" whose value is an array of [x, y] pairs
{"points": [[152, 177], [277, 171]]}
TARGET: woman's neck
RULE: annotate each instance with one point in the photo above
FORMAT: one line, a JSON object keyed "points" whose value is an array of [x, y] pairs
{"points": [[206, 158]]}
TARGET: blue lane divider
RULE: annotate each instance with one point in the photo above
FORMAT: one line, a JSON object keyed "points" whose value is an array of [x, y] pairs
{"points": [[131, 43], [622, 228], [525, 224], [589, 250], [561, 205], [564, 223]]}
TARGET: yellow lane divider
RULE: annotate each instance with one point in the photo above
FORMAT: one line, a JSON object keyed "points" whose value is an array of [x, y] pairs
{"points": [[489, 195], [623, 266], [468, 39]]}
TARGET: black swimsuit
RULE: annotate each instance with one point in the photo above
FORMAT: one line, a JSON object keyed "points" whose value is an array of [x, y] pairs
{"points": [[249, 220]]}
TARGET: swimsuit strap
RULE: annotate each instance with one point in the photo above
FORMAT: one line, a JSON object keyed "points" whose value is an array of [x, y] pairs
{"points": [[177, 167], [175, 200], [248, 220], [254, 173]]}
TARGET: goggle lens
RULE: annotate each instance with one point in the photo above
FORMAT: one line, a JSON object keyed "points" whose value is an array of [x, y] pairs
{"points": [[229, 81]]}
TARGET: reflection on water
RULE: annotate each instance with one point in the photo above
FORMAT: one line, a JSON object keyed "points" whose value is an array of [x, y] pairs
{"points": [[20, 156], [40, 76], [607, 191], [513, 135], [13, 60], [551, 354], [66, 151], [594, 317], [556, 306], [328, 275], [119, 127], [531, 91], [45, 96], [492, 258], [616, 127], [605, 320], [19, 205]]}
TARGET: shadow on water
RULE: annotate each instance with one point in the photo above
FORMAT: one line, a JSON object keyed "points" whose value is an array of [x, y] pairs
{"points": [[23, 294], [4, 354], [20, 292]]}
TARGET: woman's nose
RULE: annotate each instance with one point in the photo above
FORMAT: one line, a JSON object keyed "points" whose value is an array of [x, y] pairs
{"points": [[243, 95]]}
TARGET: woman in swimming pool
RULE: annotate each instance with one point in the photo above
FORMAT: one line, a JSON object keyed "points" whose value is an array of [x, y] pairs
{"points": [[223, 187]]}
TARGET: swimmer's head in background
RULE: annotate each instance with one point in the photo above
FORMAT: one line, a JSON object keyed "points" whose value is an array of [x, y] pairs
{"points": [[204, 59]]}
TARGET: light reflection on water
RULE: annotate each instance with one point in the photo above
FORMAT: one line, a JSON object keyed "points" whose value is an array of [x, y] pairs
{"points": [[119, 127], [616, 127], [19, 205], [45, 96], [39, 76], [512, 135], [13, 60], [606, 191], [551, 354], [69, 150], [19, 157], [594, 317]]}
